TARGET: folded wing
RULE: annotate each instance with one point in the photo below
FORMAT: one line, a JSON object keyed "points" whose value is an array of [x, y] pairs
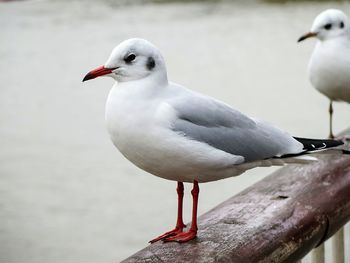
{"points": [[210, 121]]}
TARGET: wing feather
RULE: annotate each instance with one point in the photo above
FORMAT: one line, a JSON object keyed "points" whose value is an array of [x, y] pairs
{"points": [[210, 121]]}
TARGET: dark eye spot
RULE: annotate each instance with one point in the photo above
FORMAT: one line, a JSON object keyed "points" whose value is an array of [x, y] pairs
{"points": [[129, 58], [328, 26], [341, 24], [150, 63]]}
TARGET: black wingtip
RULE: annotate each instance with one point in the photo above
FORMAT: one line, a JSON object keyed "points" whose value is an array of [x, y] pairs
{"points": [[318, 144], [346, 152]]}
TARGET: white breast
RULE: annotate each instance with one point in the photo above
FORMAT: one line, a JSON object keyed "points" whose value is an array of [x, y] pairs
{"points": [[329, 69], [140, 128]]}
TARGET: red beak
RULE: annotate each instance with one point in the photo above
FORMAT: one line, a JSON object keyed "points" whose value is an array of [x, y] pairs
{"points": [[98, 72]]}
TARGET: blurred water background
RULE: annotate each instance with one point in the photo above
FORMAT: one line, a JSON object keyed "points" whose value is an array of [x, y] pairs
{"points": [[66, 194]]}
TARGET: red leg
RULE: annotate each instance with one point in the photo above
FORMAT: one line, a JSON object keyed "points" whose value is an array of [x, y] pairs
{"points": [[192, 233], [180, 196], [179, 223]]}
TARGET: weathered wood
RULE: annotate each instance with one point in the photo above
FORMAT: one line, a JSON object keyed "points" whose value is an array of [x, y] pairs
{"points": [[279, 219]]}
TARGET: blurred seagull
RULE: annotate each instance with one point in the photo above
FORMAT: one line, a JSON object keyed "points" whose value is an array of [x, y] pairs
{"points": [[329, 66], [180, 135]]}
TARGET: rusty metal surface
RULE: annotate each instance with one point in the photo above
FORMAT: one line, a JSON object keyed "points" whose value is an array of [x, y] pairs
{"points": [[278, 219]]}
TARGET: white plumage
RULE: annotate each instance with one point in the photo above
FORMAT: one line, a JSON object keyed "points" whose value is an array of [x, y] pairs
{"points": [[329, 66], [177, 134]]}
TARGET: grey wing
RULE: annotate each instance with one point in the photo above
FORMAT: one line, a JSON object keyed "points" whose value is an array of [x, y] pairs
{"points": [[217, 124]]}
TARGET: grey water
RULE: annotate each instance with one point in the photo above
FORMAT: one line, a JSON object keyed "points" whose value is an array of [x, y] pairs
{"points": [[66, 194]]}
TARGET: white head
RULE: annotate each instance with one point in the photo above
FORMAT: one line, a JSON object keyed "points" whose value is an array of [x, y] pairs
{"points": [[330, 24], [132, 59]]}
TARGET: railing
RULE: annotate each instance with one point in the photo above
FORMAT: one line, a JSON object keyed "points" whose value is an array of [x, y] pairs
{"points": [[279, 219]]}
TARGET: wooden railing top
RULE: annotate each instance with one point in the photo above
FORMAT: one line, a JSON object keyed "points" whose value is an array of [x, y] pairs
{"points": [[279, 219]]}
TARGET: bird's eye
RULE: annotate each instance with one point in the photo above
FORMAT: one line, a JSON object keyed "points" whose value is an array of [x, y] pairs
{"points": [[328, 26], [341, 24], [129, 58]]}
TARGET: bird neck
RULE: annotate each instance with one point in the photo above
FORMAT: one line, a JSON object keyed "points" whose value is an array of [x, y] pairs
{"points": [[142, 88], [160, 76]]}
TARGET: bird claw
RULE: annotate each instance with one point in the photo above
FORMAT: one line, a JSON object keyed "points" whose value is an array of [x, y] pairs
{"points": [[174, 232], [181, 237]]}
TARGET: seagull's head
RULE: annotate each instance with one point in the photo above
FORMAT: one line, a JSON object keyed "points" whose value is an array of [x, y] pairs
{"points": [[331, 23], [132, 59]]}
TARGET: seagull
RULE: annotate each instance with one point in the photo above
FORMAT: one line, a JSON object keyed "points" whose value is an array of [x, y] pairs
{"points": [[329, 66], [180, 135]]}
